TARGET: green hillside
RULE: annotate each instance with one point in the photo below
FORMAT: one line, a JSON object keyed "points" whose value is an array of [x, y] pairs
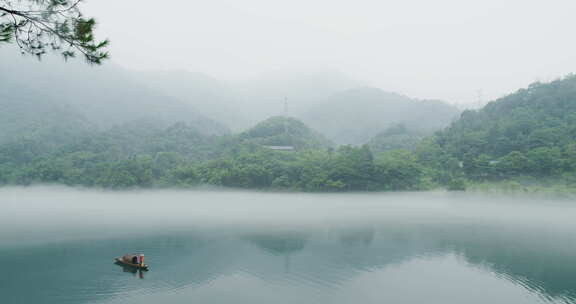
{"points": [[103, 96], [284, 131], [396, 137], [109, 131], [530, 132], [135, 154]]}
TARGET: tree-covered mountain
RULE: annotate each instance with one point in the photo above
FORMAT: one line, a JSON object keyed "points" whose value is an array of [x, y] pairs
{"points": [[284, 131], [103, 128], [102, 95], [530, 132], [142, 154], [355, 116], [396, 137], [241, 104], [135, 154], [246, 161], [214, 98], [300, 89], [26, 117]]}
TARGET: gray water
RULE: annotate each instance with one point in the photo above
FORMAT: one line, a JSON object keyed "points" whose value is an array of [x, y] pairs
{"points": [[57, 246]]}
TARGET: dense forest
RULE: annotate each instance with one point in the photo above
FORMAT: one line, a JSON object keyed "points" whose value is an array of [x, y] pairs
{"points": [[142, 154], [397, 137], [108, 129], [530, 133]]}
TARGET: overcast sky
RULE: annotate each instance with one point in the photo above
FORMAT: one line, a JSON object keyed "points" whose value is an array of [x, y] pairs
{"points": [[447, 49]]}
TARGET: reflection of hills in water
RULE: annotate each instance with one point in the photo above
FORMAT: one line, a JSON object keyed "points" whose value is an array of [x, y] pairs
{"points": [[77, 272], [541, 262]]}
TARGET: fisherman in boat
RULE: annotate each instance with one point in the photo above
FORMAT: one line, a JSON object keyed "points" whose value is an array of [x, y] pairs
{"points": [[135, 259]]}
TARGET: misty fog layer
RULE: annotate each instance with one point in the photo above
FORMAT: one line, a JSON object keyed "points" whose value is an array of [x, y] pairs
{"points": [[443, 49], [110, 95], [55, 212]]}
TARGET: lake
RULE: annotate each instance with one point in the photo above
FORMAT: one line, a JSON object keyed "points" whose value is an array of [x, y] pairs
{"points": [[203, 246]]}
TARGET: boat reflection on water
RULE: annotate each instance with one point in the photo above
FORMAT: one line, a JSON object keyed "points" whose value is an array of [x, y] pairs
{"points": [[132, 270]]}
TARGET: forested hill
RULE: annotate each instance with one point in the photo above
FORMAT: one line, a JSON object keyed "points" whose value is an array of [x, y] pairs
{"points": [[240, 104], [285, 131], [101, 128], [355, 116], [212, 97], [396, 137], [24, 116], [140, 154], [531, 131], [103, 96]]}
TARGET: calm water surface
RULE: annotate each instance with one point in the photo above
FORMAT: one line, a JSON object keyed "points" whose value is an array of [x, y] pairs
{"points": [[57, 246]]}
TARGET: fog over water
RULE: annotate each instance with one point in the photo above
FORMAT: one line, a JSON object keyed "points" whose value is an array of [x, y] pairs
{"points": [[254, 247], [55, 212]]}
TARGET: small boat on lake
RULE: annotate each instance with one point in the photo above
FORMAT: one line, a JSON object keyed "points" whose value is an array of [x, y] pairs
{"points": [[132, 260]]}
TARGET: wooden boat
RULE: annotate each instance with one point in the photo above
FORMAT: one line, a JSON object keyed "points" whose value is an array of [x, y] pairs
{"points": [[121, 261]]}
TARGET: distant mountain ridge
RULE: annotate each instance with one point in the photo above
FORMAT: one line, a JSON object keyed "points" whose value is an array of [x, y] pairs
{"points": [[354, 116], [212, 97], [241, 104], [104, 95]]}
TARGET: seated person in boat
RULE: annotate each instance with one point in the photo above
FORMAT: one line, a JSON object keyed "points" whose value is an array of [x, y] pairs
{"points": [[136, 259]]}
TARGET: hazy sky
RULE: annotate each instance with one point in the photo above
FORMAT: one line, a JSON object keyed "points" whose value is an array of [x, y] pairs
{"points": [[446, 49]]}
